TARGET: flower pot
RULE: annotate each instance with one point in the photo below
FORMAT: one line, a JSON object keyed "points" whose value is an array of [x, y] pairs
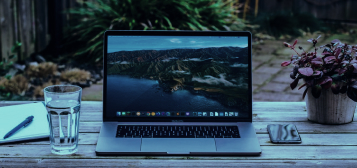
{"points": [[330, 108]]}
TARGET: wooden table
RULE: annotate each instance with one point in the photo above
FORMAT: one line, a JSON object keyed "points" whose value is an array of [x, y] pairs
{"points": [[322, 145]]}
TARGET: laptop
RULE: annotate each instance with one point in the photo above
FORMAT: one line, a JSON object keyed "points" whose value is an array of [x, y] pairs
{"points": [[177, 93]]}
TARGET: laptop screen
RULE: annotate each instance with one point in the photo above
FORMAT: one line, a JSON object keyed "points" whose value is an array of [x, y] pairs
{"points": [[177, 77]]}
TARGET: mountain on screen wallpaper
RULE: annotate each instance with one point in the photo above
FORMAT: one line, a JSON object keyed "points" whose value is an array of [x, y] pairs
{"points": [[219, 75]]}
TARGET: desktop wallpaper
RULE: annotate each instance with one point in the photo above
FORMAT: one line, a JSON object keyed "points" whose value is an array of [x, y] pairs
{"points": [[177, 74]]}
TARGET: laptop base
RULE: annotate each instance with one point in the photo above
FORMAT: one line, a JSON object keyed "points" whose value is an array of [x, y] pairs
{"points": [[108, 144]]}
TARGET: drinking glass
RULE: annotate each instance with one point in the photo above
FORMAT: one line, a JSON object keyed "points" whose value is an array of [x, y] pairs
{"points": [[63, 103]]}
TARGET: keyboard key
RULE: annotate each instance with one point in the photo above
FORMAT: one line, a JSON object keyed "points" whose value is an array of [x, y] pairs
{"points": [[142, 131], [189, 136]]}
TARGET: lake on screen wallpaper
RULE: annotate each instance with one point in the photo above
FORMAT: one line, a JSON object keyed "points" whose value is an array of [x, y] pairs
{"points": [[177, 74]]}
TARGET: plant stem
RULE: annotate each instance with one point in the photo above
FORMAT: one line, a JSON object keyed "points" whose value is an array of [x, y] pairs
{"points": [[315, 50], [296, 52], [303, 50]]}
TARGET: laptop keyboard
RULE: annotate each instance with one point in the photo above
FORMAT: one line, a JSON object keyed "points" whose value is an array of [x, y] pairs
{"points": [[158, 131]]}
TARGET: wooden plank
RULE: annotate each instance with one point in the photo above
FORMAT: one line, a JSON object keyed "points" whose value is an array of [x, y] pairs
{"points": [[7, 29], [90, 127], [24, 22], [91, 117], [314, 140], [268, 107], [95, 116], [307, 140], [32, 25], [28, 162], [286, 107], [40, 24], [95, 110], [283, 116], [9, 103], [257, 106], [83, 139], [261, 120], [279, 116], [2, 19], [310, 128], [268, 153], [259, 114], [87, 106], [261, 127]]}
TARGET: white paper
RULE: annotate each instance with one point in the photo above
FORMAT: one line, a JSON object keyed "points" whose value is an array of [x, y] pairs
{"points": [[11, 116]]}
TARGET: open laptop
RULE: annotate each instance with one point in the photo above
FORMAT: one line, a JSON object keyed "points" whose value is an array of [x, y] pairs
{"points": [[177, 93]]}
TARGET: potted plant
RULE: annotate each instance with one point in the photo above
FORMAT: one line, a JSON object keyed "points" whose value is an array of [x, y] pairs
{"points": [[330, 80]]}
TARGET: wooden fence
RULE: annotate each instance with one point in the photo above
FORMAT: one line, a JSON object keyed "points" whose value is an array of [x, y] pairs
{"points": [[23, 21], [38, 24], [329, 10], [34, 23]]}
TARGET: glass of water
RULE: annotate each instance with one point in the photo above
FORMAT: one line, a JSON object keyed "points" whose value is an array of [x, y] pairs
{"points": [[63, 103]]}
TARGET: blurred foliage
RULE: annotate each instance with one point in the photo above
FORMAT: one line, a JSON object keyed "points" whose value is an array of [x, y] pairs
{"points": [[17, 85], [287, 23], [75, 75], [84, 40], [38, 90], [42, 70], [6, 64]]}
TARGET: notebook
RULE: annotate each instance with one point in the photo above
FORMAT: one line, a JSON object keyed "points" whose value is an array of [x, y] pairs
{"points": [[11, 116]]}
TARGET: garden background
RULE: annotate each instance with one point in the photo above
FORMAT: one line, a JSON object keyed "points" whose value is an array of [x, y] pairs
{"points": [[47, 42]]}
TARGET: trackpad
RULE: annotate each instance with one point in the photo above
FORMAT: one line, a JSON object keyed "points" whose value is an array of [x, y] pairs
{"points": [[175, 145]]}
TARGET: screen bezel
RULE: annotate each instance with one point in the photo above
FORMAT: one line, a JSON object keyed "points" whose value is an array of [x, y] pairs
{"points": [[176, 33]]}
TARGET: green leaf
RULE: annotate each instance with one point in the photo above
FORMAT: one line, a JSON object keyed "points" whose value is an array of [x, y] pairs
{"points": [[16, 47], [168, 22], [343, 88], [13, 49], [9, 64], [99, 35], [294, 83], [316, 91], [98, 59], [192, 27], [352, 93], [335, 88], [12, 56], [304, 94]]}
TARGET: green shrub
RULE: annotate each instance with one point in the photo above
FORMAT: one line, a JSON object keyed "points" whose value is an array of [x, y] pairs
{"points": [[83, 41], [7, 62]]}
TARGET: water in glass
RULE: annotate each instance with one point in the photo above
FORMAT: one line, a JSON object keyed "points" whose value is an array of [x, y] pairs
{"points": [[64, 118]]}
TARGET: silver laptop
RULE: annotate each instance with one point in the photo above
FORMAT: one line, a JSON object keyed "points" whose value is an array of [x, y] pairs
{"points": [[177, 93]]}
